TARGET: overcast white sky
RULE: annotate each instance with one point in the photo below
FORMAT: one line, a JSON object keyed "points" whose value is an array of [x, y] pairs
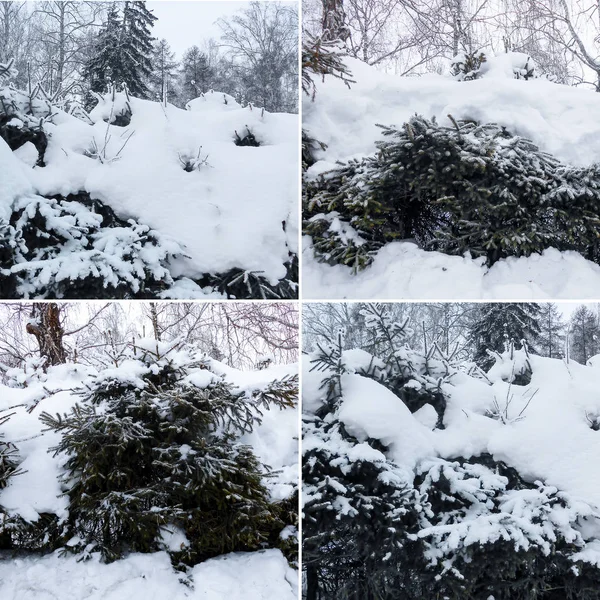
{"points": [[184, 23]]}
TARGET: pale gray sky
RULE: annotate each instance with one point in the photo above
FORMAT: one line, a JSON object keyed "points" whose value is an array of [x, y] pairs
{"points": [[184, 23]]}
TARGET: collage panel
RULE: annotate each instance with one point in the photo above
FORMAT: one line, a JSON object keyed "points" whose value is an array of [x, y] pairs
{"points": [[149, 150], [149, 450], [450, 150], [450, 451]]}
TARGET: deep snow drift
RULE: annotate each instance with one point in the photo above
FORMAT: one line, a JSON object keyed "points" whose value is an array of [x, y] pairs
{"points": [[254, 575], [561, 120], [216, 205]]}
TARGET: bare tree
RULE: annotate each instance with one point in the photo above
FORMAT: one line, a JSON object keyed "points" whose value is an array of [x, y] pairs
{"points": [[262, 43], [63, 35]]}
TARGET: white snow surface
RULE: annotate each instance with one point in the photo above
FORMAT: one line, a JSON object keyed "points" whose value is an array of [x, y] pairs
{"points": [[401, 270], [546, 433], [14, 183], [227, 213], [560, 119], [263, 575]]}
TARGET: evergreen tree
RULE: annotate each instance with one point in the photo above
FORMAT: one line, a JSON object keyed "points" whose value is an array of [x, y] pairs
{"points": [[498, 323], [163, 79], [8, 459], [551, 339], [356, 501], [584, 335], [196, 74], [154, 448], [468, 187], [136, 45], [106, 63], [123, 50]]}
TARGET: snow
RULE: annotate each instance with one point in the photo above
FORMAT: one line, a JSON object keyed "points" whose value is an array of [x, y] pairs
{"points": [[401, 270], [180, 173], [15, 183], [260, 575], [559, 119], [371, 411]]}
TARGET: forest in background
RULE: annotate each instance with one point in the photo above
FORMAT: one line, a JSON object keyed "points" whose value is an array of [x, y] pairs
{"points": [[98, 334], [73, 48], [413, 37], [466, 331]]}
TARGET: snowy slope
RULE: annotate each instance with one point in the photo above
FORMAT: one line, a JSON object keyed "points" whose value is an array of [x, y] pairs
{"points": [[561, 120], [226, 213], [401, 270], [241, 576]]}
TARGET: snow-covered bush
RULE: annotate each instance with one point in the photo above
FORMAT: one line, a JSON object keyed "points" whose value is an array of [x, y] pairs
{"points": [[466, 66], [75, 247], [489, 532], [468, 187], [154, 459], [415, 487], [355, 500]]}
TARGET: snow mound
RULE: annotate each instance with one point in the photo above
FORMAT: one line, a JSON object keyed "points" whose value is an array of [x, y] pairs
{"points": [[15, 183], [240, 576], [558, 118], [213, 101], [401, 270]]}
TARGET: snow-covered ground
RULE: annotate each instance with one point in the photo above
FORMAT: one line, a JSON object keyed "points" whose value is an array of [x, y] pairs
{"points": [[401, 270], [262, 575], [560, 119], [227, 210]]}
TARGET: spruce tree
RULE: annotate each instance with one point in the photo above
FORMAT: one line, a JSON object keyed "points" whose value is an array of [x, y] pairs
{"points": [[356, 501], [136, 45], [106, 64], [123, 50], [153, 447], [9, 465], [584, 335], [497, 324], [551, 339], [196, 74]]}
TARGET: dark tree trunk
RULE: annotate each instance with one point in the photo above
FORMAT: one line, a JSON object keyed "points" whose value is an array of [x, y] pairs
{"points": [[45, 325], [312, 584]]}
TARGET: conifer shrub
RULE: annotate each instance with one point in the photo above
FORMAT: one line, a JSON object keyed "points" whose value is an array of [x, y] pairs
{"points": [[459, 528], [466, 187], [9, 466], [466, 65], [77, 247], [154, 460], [246, 139]]}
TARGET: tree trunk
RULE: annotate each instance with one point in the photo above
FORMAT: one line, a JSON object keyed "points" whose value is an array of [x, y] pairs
{"points": [[334, 20], [45, 325], [312, 583]]}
